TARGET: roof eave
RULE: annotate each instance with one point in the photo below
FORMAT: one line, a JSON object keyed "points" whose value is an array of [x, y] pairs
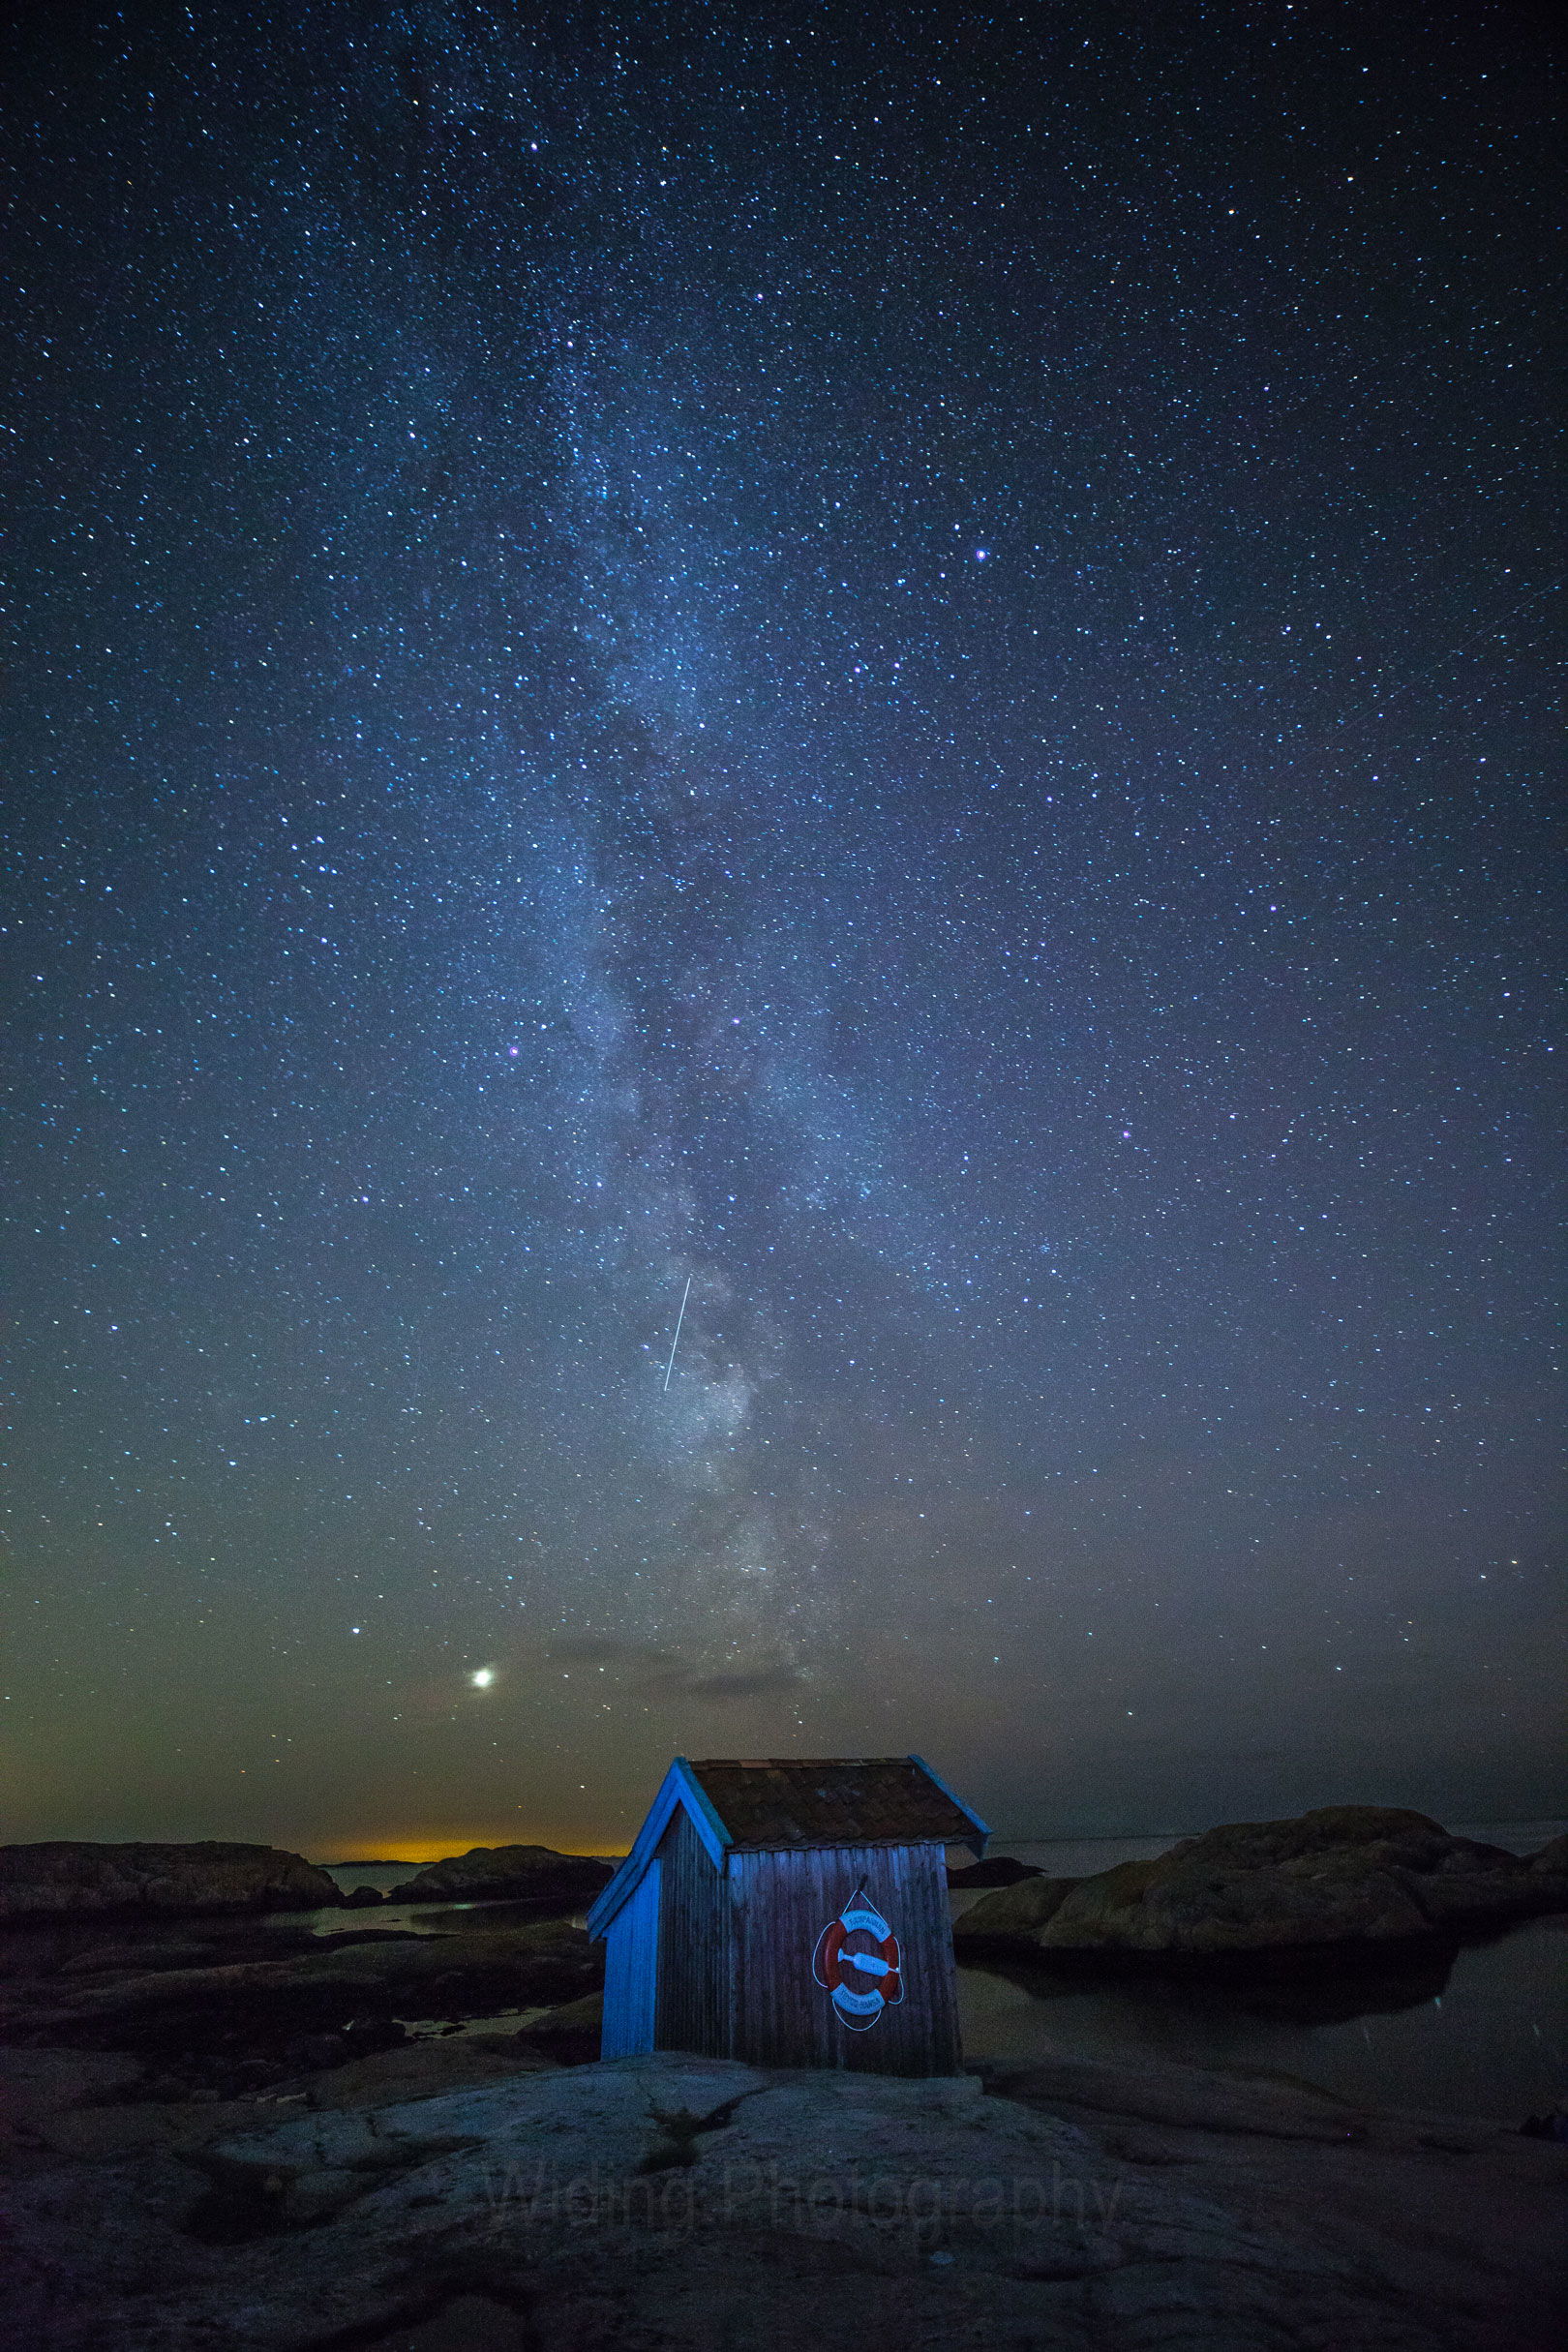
{"points": [[679, 1786], [982, 1830]]}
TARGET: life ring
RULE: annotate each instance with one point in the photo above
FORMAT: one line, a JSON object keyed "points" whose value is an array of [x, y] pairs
{"points": [[861, 1983]]}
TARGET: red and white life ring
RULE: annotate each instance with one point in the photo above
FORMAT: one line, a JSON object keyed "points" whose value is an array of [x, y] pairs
{"points": [[864, 1978]]}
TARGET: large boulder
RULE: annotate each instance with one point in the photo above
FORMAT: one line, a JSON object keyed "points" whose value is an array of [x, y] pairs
{"points": [[67, 1879], [1344, 1875], [507, 1873]]}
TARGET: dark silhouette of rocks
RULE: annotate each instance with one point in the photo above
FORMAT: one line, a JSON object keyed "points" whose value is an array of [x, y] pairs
{"points": [[569, 2034], [998, 1870], [1342, 1876], [513, 1874], [363, 1898], [259, 2008], [66, 1879], [113, 1959]]}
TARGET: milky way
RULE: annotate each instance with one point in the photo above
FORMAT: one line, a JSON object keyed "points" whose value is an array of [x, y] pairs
{"points": [[888, 663]]}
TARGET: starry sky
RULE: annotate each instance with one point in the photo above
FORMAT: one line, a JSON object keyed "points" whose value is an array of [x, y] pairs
{"points": [[886, 670]]}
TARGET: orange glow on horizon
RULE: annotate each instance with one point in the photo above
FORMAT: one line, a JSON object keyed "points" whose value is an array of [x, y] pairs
{"points": [[417, 1853]]}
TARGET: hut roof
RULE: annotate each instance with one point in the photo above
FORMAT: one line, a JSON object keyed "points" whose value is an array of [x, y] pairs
{"points": [[784, 1804], [844, 1800]]}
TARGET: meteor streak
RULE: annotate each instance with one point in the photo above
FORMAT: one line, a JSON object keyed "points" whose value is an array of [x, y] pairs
{"points": [[676, 1342]]}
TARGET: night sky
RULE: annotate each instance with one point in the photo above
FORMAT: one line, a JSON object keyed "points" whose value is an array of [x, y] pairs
{"points": [[893, 659]]}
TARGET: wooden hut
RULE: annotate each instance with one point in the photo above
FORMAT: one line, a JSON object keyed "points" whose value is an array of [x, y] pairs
{"points": [[791, 1913]]}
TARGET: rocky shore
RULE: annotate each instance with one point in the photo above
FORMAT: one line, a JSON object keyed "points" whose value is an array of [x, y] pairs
{"points": [[227, 2130], [166, 1956], [494, 2204]]}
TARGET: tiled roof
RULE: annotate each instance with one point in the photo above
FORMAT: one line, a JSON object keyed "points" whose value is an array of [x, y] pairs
{"points": [[840, 1800]]}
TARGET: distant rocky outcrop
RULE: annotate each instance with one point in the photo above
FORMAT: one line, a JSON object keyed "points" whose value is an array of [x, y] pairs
{"points": [[1019, 1911], [68, 1880], [515, 1874], [1001, 1870], [1344, 1875]]}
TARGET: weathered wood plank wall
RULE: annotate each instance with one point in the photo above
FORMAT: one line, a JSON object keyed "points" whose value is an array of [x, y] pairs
{"points": [[781, 1904]]}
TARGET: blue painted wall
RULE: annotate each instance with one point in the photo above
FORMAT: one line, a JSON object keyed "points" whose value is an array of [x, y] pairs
{"points": [[631, 1971]]}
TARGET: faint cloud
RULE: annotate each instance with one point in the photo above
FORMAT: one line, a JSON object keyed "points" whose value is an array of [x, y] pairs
{"points": [[595, 1649], [664, 1674], [757, 1682]]}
